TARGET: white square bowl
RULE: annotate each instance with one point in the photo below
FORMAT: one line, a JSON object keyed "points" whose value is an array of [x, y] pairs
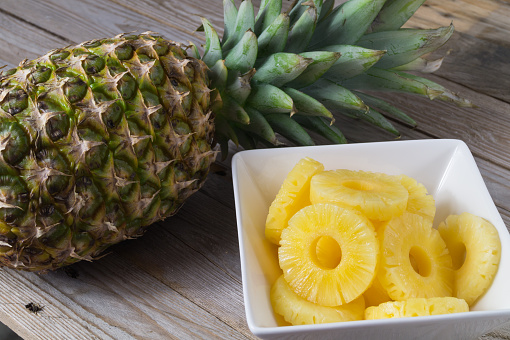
{"points": [[445, 167]]}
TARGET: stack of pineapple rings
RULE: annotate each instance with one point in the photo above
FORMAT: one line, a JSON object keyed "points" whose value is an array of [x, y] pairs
{"points": [[359, 245]]}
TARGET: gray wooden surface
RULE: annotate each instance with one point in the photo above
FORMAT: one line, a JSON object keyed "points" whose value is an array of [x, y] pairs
{"points": [[182, 279]]}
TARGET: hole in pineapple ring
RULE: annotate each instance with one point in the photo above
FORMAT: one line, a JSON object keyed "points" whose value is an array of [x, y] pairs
{"points": [[326, 252], [359, 185], [420, 261], [458, 253]]}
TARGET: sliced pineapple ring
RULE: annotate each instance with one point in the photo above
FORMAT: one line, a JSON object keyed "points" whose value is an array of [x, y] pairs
{"points": [[376, 294], [416, 307], [328, 254], [299, 311], [292, 196], [414, 259], [377, 195], [419, 201], [475, 248]]}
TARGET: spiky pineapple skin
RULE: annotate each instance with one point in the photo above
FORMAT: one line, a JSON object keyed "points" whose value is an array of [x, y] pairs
{"points": [[97, 142]]}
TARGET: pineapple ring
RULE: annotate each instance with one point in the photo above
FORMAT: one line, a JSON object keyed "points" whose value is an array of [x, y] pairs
{"points": [[475, 248], [299, 311], [379, 196], [292, 196], [328, 254], [414, 259], [416, 307], [419, 201]]}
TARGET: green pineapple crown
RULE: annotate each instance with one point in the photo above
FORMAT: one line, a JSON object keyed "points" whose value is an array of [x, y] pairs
{"points": [[284, 73]]}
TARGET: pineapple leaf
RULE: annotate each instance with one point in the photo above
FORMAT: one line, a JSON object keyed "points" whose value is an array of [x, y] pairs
{"points": [[301, 6], [322, 62], [268, 12], [243, 56], [270, 99], [346, 24], [421, 65], [355, 60], [389, 109], [336, 97], [244, 138], [259, 126], [289, 128], [326, 9], [280, 68], [233, 111], [218, 75], [240, 87], [405, 45], [301, 32], [245, 21], [394, 14], [229, 18], [274, 38], [379, 120], [306, 105], [322, 127], [212, 49]]}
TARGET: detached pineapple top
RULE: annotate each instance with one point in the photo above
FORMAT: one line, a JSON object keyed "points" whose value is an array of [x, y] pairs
{"points": [[101, 139]]}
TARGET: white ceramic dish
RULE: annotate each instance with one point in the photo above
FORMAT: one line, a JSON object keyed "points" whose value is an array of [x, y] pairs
{"points": [[445, 167]]}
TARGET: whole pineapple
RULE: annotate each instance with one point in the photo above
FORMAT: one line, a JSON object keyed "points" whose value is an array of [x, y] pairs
{"points": [[99, 140]]}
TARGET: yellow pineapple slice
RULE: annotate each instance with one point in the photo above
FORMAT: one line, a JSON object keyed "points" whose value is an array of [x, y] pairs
{"points": [[419, 201], [416, 307], [475, 248], [328, 254], [293, 195], [299, 311], [414, 259], [377, 195], [376, 294]]}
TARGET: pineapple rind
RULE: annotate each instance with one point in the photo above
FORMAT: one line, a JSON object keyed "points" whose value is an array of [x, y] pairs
{"points": [[307, 277], [106, 138], [299, 311], [292, 196], [416, 307], [396, 272], [482, 253]]}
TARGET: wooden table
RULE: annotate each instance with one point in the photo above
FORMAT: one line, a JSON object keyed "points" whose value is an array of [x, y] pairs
{"points": [[182, 279]]}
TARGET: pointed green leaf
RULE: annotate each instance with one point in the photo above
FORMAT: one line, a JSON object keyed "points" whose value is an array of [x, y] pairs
{"points": [[322, 61], [385, 107], [212, 49], [301, 6], [394, 14], [244, 138], [242, 57], [269, 99], [233, 111], [336, 97], [224, 132], [346, 24], [274, 38], [322, 127], [327, 9], [268, 12], [218, 75], [301, 32], [259, 126], [354, 60], [421, 65], [229, 19], [193, 51], [280, 68], [289, 128], [307, 105], [405, 45], [245, 21], [377, 119], [438, 91], [240, 87]]}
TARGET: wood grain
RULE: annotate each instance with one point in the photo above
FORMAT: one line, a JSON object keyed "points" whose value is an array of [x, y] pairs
{"points": [[182, 279]]}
